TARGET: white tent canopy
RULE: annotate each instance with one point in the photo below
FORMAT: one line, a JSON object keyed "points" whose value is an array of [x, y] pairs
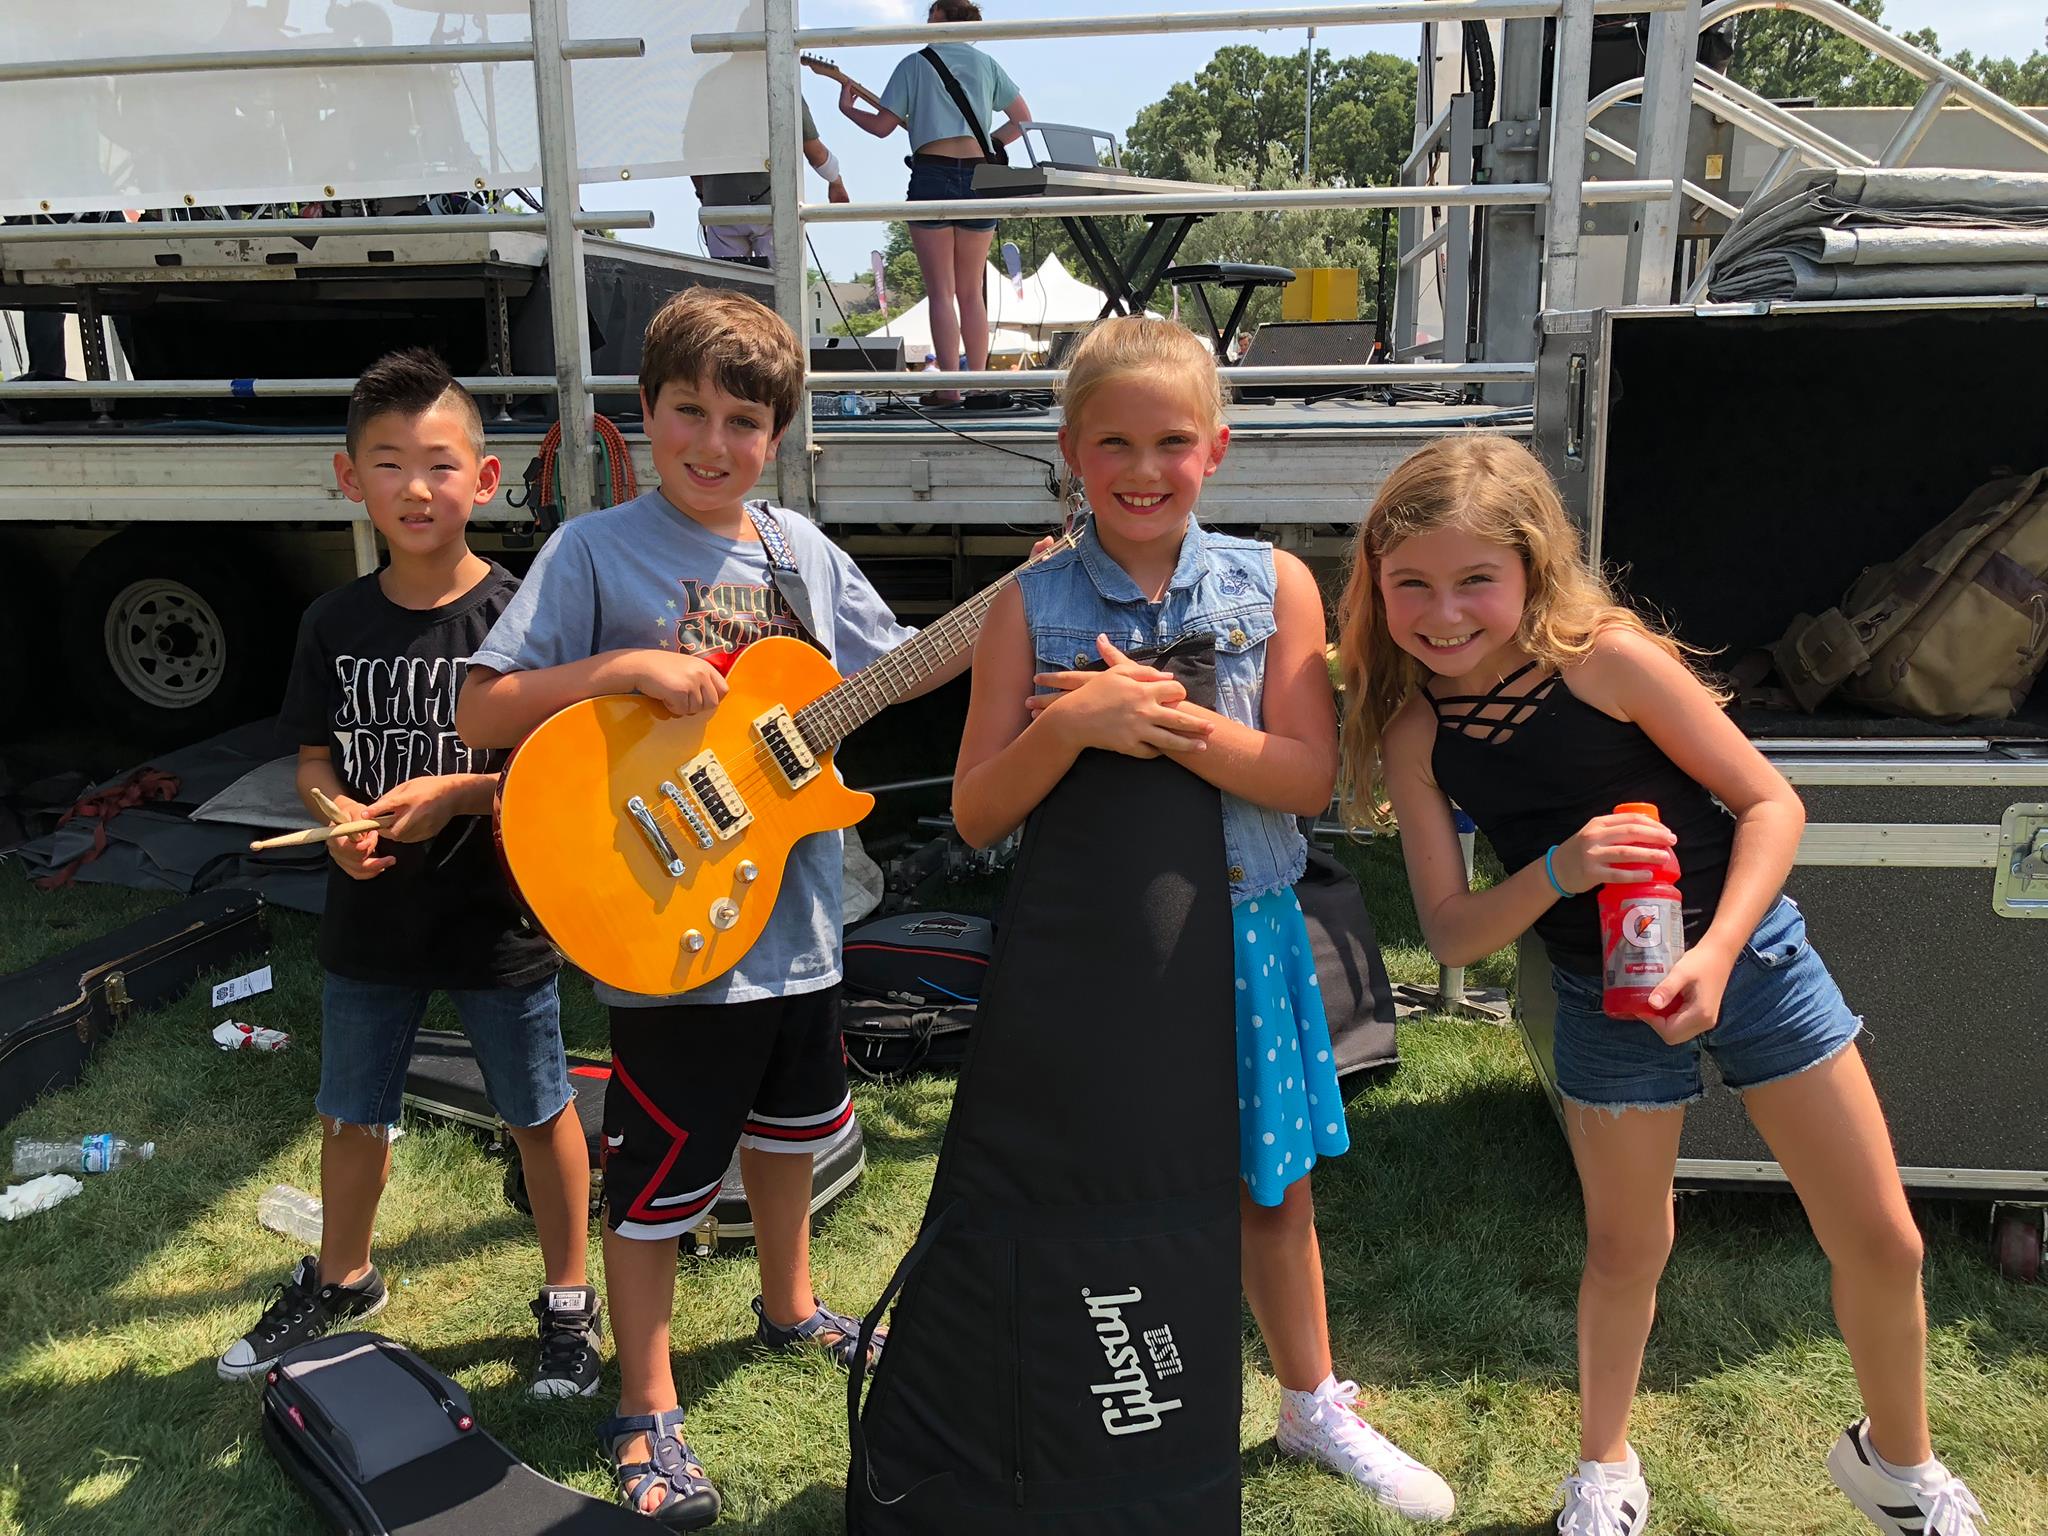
{"points": [[1053, 300]]}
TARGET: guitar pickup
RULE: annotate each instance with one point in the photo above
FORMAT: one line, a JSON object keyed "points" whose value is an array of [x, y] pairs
{"points": [[785, 743], [716, 792]]}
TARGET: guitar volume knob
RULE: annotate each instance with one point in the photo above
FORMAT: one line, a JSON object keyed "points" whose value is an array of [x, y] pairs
{"points": [[748, 871], [693, 941], [724, 913]]}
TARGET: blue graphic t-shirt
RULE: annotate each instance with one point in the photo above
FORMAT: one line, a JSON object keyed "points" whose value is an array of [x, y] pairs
{"points": [[643, 574]]}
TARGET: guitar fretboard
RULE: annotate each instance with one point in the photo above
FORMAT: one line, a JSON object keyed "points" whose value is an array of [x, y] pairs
{"points": [[832, 717]]}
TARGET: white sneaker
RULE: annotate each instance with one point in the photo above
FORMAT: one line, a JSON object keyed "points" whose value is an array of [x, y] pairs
{"points": [[1336, 1435], [1602, 1502], [1935, 1505]]}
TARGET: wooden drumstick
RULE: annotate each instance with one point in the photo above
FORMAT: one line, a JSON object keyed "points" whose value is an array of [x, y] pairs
{"points": [[323, 834]]}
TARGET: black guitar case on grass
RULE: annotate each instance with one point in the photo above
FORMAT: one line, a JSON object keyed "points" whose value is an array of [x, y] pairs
{"points": [[54, 1015], [382, 1444], [1066, 1353]]}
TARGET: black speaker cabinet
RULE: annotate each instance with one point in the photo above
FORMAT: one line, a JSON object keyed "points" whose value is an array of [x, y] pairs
{"points": [[851, 354]]}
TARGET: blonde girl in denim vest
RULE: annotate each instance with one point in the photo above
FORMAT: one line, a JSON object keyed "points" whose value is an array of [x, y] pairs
{"points": [[1143, 429]]}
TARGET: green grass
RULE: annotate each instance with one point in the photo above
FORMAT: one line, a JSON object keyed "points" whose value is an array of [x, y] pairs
{"points": [[1451, 1237]]}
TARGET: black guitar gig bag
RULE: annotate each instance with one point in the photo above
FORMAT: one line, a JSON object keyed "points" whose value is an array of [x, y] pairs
{"points": [[1066, 1352]]}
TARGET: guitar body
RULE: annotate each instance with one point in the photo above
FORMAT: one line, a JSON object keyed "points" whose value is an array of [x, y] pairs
{"points": [[602, 885]]}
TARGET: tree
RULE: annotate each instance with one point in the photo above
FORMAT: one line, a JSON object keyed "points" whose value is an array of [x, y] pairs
{"points": [[1245, 103], [1786, 56]]}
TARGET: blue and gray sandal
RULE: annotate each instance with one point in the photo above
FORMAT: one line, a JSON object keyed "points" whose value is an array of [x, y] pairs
{"points": [[833, 1332], [688, 1500]]}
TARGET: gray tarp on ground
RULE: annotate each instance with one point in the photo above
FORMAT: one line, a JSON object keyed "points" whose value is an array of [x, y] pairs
{"points": [[1829, 234], [159, 847]]}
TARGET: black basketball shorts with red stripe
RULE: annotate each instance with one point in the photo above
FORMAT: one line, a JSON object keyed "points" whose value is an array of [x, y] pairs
{"points": [[691, 1081]]}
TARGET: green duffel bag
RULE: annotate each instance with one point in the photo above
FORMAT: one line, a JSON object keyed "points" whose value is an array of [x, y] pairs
{"points": [[1955, 629]]}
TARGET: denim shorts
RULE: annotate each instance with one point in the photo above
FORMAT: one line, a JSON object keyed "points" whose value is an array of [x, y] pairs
{"points": [[1781, 1014], [944, 183], [366, 1035]]}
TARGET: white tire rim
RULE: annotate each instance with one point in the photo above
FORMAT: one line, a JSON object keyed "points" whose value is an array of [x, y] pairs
{"points": [[165, 643]]}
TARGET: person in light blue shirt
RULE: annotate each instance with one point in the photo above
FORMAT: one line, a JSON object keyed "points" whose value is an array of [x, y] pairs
{"points": [[952, 254]]}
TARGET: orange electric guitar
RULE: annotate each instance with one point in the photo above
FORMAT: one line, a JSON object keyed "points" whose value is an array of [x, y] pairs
{"points": [[651, 846]]}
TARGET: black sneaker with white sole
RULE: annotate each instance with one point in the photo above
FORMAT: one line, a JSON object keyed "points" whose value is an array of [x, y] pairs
{"points": [[301, 1308], [1934, 1503], [571, 1320]]}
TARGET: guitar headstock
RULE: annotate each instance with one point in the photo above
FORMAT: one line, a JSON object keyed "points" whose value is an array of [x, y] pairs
{"points": [[1052, 544], [821, 65]]}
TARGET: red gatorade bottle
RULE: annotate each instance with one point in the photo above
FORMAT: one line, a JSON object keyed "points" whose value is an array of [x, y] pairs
{"points": [[1642, 931]]}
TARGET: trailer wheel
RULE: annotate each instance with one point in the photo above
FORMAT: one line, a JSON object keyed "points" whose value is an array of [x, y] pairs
{"points": [[172, 636], [2017, 1242]]}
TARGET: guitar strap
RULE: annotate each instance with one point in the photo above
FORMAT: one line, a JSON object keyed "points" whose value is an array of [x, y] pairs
{"points": [[989, 150], [782, 570]]}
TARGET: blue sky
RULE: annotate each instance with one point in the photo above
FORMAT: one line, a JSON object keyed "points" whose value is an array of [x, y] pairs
{"points": [[1103, 82]]}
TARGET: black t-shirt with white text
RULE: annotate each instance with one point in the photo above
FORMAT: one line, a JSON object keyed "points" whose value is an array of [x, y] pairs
{"points": [[376, 685]]}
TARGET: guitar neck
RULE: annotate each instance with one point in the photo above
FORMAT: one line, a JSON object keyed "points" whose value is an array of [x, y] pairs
{"points": [[833, 72], [894, 677]]}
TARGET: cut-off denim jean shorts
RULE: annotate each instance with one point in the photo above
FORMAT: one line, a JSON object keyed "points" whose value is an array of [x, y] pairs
{"points": [[932, 182], [366, 1037], [1781, 1014]]}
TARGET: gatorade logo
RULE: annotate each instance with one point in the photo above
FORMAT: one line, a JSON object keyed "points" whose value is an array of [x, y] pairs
{"points": [[1643, 927]]}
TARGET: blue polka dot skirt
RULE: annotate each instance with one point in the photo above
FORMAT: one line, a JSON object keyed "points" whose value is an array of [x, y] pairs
{"points": [[1289, 1112]]}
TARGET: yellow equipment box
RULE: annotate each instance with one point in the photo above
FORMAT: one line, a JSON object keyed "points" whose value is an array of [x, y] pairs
{"points": [[1321, 293]]}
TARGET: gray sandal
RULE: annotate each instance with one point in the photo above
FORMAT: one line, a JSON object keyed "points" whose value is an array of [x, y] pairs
{"points": [[688, 1499], [817, 1332]]}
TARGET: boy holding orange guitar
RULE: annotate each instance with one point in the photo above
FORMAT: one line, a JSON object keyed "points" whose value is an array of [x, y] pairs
{"points": [[655, 597]]}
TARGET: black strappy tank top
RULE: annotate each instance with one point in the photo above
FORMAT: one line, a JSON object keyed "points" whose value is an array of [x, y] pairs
{"points": [[1533, 768]]}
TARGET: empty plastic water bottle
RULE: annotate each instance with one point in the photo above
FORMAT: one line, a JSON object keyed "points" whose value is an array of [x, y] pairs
{"points": [[851, 404], [101, 1153], [287, 1209]]}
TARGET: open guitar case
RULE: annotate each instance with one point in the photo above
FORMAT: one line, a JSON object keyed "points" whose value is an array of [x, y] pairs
{"points": [[1066, 1352], [382, 1444]]}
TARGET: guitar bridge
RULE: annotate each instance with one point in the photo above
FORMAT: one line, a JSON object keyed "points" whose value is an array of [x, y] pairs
{"points": [[691, 816], [785, 743], [717, 793]]}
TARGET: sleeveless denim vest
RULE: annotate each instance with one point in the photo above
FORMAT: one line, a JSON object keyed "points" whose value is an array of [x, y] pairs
{"points": [[1222, 586]]}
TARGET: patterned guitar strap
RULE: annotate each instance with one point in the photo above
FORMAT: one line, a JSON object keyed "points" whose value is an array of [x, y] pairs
{"points": [[782, 569]]}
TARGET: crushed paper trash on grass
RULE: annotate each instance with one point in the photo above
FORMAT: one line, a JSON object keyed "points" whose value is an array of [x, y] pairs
{"points": [[37, 1194], [230, 1035]]}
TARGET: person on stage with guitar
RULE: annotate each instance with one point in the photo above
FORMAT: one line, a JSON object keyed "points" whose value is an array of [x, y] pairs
{"points": [[947, 95], [656, 597], [754, 243]]}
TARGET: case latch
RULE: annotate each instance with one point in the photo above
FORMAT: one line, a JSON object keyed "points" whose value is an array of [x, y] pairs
{"points": [[2021, 886], [115, 990]]}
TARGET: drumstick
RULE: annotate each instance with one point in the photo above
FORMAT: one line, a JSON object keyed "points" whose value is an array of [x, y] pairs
{"points": [[334, 813], [323, 834]]}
